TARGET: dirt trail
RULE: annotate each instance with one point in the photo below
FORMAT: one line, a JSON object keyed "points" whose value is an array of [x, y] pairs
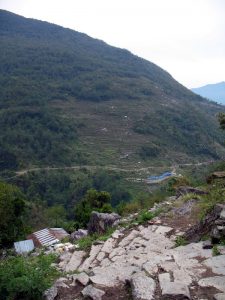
{"points": [[110, 168]]}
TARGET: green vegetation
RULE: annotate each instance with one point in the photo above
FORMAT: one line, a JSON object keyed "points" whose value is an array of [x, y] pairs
{"points": [[216, 195], [26, 277], [215, 251], [58, 88], [92, 201], [145, 216], [12, 213], [87, 241], [180, 241]]}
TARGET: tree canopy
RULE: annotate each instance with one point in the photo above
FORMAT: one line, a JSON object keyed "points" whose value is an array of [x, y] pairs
{"points": [[12, 210]]}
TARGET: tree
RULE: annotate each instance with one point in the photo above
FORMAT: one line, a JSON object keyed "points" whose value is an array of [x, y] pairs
{"points": [[221, 118], [93, 200], [56, 215], [12, 209]]}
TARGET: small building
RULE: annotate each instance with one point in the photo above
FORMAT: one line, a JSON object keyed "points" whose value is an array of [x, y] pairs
{"points": [[48, 236], [24, 246]]}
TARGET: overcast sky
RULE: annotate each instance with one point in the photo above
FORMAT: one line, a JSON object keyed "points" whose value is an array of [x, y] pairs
{"points": [[184, 37]]}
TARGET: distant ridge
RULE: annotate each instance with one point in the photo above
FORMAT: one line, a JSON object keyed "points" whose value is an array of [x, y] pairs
{"points": [[215, 92]]}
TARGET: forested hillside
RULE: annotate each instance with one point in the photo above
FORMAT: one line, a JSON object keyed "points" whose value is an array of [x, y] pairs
{"points": [[63, 92]]}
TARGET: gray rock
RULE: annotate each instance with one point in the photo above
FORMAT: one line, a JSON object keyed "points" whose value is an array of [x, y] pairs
{"points": [[183, 190], [174, 290], [207, 245], [215, 281], [95, 249], [80, 233], [143, 287], [219, 296], [75, 261], [215, 235], [222, 214], [92, 292], [204, 226], [51, 293], [113, 274], [83, 278], [217, 264], [100, 222]]}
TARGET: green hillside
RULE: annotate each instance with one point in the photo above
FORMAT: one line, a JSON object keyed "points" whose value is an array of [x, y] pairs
{"points": [[68, 99]]}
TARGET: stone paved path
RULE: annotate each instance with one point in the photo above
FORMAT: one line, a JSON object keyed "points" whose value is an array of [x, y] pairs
{"points": [[147, 259]]}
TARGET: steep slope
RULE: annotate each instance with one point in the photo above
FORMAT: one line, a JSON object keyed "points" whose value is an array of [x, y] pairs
{"points": [[67, 98], [215, 92]]}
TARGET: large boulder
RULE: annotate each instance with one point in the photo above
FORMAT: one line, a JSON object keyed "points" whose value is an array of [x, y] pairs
{"points": [[100, 222], [183, 190], [215, 175], [78, 234], [205, 226]]}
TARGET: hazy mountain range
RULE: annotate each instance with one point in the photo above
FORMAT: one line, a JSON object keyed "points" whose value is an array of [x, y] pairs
{"points": [[215, 92]]}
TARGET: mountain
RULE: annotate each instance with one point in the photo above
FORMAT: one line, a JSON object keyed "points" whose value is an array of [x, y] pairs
{"points": [[69, 99], [215, 92]]}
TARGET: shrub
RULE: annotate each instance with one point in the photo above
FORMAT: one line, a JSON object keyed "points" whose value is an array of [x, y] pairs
{"points": [[145, 216], [26, 277], [215, 251], [180, 241], [87, 241]]}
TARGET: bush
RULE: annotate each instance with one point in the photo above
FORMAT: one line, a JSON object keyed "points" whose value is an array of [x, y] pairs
{"points": [[145, 216], [180, 241], [26, 277]]}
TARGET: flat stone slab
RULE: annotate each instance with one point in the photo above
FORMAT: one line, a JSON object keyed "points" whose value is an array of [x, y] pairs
{"points": [[129, 238], [219, 296], [75, 261], [222, 214], [95, 249], [113, 274], [83, 278], [108, 245], [92, 292], [215, 281], [143, 287], [217, 264], [174, 290]]}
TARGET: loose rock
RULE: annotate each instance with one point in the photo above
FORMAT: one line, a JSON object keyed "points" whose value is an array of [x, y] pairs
{"points": [[92, 292], [143, 287]]}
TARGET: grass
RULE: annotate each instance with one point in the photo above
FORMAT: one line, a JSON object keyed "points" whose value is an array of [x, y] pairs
{"points": [[86, 242], [180, 241], [26, 277], [190, 196], [207, 202], [215, 251]]}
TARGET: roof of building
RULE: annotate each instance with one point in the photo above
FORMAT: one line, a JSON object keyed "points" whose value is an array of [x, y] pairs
{"points": [[48, 236], [24, 246]]}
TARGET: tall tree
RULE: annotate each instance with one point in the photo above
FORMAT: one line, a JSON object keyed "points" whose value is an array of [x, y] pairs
{"points": [[12, 209]]}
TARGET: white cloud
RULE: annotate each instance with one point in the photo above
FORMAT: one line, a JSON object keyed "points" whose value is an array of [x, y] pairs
{"points": [[184, 37]]}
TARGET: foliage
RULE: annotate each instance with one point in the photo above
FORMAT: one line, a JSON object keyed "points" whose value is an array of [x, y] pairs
{"points": [[216, 195], [93, 200], [46, 74], [56, 215], [12, 211], [221, 118], [145, 216], [215, 250], [149, 151], [180, 241], [87, 241], [26, 277], [176, 182], [190, 196], [34, 135]]}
